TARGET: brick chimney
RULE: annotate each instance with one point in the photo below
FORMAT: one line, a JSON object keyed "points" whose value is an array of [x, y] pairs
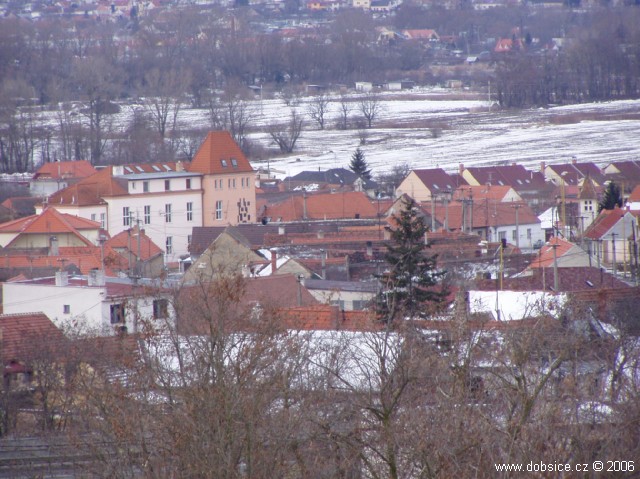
{"points": [[274, 261], [461, 168]]}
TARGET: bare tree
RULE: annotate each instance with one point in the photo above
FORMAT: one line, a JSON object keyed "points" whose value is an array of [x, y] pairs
{"points": [[318, 108], [232, 112], [370, 107], [286, 136], [166, 89], [344, 110]]}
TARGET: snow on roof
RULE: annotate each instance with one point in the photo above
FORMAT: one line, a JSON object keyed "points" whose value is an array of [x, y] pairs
{"points": [[516, 305]]}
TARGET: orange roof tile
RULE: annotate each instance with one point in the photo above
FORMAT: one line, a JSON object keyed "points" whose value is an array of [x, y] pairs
{"points": [[219, 154], [603, 223], [350, 204], [148, 249], [545, 257], [482, 192], [50, 221], [23, 335], [326, 318], [89, 191], [64, 169]]}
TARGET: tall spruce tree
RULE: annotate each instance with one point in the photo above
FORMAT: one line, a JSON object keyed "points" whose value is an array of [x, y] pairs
{"points": [[612, 197], [359, 165], [410, 283]]}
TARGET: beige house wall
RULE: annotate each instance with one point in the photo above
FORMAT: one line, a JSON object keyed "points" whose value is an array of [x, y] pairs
{"points": [[231, 189], [414, 187]]}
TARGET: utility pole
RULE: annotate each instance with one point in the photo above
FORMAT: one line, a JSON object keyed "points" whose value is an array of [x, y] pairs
{"points": [[613, 244], [517, 207], [555, 267]]}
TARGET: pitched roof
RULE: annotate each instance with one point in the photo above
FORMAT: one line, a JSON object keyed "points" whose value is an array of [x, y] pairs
{"points": [[482, 192], [545, 257], [635, 195], [334, 176], [25, 334], [219, 154], [629, 170], [484, 214], [588, 190], [573, 173], [128, 240], [51, 221], [603, 223], [516, 176], [435, 179], [258, 234], [64, 169], [350, 204], [89, 191], [327, 318]]}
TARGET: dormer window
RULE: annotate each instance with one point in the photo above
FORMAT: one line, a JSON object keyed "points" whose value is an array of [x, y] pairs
{"points": [[224, 163]]}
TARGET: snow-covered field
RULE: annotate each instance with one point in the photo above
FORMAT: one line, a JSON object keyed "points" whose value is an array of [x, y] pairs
{"points": [[467, 132]]}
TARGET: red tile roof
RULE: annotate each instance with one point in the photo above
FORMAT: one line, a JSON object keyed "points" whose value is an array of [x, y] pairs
{"points": [[485, 214], [635, 194], [516, 176], [606, 220], [326, 318], [219, 154], [148, 249], [24, 335], [85, 258], [545, 257], [50, 221], [89, 191], [482, 192], [343, 205], [64, 169]]}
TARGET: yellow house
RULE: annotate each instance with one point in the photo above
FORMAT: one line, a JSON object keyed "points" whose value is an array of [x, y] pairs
{"points": [[228, 181]]}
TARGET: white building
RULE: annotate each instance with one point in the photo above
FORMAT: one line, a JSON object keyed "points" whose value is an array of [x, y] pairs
{"points": [[87, 304], [163, 199]]}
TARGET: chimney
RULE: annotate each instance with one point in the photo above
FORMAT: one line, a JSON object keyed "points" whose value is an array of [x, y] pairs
{"points": [[95, 278], [53, 246], [574, 160], [62, 278], [117, 170], [304, 205], [543, 165], [461, 168], [281, 230], [179, 166], [320, 234], [324, 264], [274, 261]]}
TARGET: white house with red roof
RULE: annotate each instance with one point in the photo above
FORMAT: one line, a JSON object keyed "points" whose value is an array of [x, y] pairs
{"points": [[164, 199], [422, 185], [612, 237], [51, 177]]}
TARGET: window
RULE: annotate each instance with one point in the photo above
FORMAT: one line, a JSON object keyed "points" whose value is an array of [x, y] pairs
{"points": [[66, 308], [133, 185], [126, 216], [102, 220], [234, 162], [189, 211], [528, 233], [167, 213], [167, 185], [169, 245], [147, 214], [145, 187], [223, 163], [502, 235], [188, 241], [188, 181], [93, 216], [219, 209], [514, 235], [117, 313], [160, 308]]}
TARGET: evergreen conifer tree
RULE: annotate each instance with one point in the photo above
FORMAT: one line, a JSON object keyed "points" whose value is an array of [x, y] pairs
{"points": [[359, 165], [408, 284], [612, 198]]}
